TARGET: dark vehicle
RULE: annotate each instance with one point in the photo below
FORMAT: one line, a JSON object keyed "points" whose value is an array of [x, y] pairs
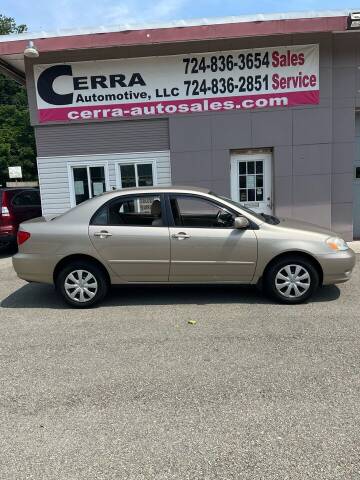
{"points": [[16, 206]]}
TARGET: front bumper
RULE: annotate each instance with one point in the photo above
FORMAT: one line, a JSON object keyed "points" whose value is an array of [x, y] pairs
{"points": [[337, 267]]}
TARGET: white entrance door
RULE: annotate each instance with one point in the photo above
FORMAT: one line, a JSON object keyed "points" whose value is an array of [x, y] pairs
{"points": [[251, 181]]}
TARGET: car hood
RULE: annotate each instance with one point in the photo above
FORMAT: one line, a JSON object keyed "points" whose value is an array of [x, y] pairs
{"points": [[291, 224]]}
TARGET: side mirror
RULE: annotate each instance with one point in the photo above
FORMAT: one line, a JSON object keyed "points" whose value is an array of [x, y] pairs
{"points": [[241, 223]]}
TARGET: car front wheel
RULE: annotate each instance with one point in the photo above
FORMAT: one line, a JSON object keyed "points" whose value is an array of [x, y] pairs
{"points": [[292, 280], [82, 284]]}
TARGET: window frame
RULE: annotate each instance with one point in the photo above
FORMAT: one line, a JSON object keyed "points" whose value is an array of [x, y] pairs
{"points": [[170, 216], [107, 204], [87, 165]]}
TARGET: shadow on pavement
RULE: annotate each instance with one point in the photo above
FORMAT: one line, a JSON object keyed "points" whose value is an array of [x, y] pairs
{"points": [[44, 296]]}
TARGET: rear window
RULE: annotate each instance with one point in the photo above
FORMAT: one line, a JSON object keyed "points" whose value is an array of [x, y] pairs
{"points": [[27, 198]]}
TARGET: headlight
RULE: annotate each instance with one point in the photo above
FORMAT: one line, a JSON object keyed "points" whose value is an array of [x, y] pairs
{"points": [[337, 244]]}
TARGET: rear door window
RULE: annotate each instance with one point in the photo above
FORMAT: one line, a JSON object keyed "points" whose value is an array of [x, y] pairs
{"points": [[135, 211]]}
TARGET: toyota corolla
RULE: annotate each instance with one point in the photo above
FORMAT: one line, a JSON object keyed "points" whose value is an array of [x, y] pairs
{"points": [[177, 235]]}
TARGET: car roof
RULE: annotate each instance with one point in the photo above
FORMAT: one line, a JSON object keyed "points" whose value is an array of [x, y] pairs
{"points": [[158, 189]]}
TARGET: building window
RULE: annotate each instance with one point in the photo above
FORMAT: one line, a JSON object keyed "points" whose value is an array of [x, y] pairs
{"points": [[88, 182], [139, 174]]}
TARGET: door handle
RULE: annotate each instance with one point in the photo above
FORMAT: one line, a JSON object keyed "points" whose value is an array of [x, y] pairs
{"points": [[102, 234], [180, 236]]}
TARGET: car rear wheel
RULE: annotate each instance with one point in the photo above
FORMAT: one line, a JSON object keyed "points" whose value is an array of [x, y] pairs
{"points": [[82, 284], [292, 280]]}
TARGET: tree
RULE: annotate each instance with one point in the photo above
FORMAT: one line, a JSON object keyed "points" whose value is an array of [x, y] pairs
{"points": [[8, 25], [17, 142]]}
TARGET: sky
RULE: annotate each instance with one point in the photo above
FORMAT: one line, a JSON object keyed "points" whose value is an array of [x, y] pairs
{"points": [[51, 15]]}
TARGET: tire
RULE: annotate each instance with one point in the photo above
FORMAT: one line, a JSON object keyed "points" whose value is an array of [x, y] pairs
{"points": [[82, 284], [291, 280]]}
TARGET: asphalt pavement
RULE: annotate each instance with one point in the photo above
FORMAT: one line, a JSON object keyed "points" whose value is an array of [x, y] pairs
{"points": [[131, 390]]}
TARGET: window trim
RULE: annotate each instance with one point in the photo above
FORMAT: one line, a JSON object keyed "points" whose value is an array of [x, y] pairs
{"points": [[87, 164], [165, 216], [211, 200]]}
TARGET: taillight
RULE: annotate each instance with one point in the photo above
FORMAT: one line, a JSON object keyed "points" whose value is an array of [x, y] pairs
{"points": [[5, 212], [22, 237]]}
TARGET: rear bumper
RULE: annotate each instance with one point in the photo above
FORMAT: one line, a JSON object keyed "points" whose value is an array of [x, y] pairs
{"points": [[337, 267], [7, 235], [34, 267]]}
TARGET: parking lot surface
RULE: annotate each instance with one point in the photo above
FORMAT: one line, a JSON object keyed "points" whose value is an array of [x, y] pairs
{"points": [[131, 390]]}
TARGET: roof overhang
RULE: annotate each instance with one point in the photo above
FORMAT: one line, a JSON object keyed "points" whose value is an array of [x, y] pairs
{"points": [[12, 46]]}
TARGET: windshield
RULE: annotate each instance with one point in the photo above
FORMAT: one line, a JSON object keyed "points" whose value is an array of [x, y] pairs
{"points": [[263, 217]]}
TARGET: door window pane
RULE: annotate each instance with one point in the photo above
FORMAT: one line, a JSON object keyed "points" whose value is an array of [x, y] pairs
{"points": [[259, 194], [145, 175], [242, 168], [197, 212], [81, 186], [128, 176], [242, 181], [259, 180], [139, 210], [243, 195], [259, 167], [97, 178], [250, 167], [251, 195], [251, 181]]}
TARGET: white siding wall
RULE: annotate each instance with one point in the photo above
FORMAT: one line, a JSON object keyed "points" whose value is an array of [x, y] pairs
{"points": [[55, 179], [54, 185]]}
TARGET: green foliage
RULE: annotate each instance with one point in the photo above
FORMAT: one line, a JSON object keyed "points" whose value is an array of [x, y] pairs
{"points": [[17, 143], [8, 25]]}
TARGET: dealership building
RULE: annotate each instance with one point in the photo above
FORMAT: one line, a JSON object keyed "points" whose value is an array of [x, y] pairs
{"points": [[262, 109]]}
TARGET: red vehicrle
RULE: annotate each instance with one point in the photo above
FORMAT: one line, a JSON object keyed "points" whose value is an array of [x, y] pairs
{"points": [[16, 206]]}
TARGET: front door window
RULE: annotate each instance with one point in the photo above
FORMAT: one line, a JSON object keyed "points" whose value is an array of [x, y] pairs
{"points": [[197, 212], [88, 182]]}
